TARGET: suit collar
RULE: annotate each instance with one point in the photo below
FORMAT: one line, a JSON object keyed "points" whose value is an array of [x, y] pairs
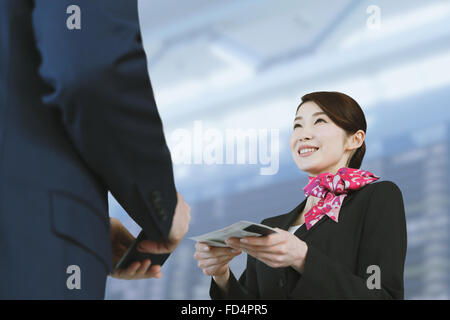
{"points": [[288, 219]]}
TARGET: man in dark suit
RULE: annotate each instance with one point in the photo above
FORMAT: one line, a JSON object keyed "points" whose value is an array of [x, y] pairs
{"points": [[78, 118]]}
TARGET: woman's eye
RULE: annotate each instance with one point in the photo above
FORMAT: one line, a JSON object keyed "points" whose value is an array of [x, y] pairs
{"points": [[299, 126], [319, 120]]}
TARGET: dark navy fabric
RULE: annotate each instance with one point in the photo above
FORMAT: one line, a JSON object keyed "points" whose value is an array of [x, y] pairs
{"points": [[77, 119]]}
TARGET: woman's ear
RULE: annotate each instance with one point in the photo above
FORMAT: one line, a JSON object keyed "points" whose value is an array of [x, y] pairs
{"points": [[356, 140]]}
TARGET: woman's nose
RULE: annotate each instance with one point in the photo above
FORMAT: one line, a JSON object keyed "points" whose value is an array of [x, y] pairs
{"points": [[305, 135]]}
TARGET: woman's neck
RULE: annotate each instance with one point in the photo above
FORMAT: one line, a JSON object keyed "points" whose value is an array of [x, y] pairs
{"points": [[310, 202]]}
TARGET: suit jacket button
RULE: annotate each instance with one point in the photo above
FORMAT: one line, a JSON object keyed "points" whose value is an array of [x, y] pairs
{"points": [[281, 282], [156, 195], [162, 214], [157, 204]]}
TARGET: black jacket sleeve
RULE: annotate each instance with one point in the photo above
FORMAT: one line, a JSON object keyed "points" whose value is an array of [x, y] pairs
{"points": [[244, 289], [383, 244], [98, 80]]}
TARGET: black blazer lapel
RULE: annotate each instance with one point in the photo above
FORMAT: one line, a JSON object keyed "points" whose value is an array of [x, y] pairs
{"points": [[287, 220]]}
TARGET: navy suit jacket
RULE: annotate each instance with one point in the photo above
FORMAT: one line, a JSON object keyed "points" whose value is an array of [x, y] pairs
{"points": [[77, 119]]}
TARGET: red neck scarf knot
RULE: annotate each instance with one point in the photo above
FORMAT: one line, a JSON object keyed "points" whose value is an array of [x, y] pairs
{"points": [[333, 189]]}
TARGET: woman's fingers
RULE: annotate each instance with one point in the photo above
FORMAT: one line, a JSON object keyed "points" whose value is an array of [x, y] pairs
{"points": [[272, 260], [263, 255], [273, 243], [204, 250], [201, 246], [208, 255], [207, 259], [278, 248], [265, 241], [215, 261]]}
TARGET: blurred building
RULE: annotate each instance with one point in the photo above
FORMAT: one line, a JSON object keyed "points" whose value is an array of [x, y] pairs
{"points": [[245, 64]]}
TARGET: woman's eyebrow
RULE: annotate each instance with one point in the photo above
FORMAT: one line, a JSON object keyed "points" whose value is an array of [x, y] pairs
{"points": [[315, 114]]}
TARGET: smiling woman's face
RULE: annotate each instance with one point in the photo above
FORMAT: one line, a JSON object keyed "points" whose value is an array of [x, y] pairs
{"points": [[332, 146]]}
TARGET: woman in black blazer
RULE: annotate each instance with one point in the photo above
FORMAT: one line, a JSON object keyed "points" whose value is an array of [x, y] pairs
{"points": [[353, 249]]}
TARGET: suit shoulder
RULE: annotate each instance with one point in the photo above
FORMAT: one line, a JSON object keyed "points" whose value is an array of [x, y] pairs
{"points": [[385, 204], [380, 191], [384, 188]]}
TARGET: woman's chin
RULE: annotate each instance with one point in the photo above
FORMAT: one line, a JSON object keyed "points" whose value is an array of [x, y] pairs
{"points": [[310, 166], [307, 167]]}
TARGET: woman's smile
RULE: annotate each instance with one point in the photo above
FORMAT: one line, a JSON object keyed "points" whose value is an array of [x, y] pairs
{"points": [[306, 151]]}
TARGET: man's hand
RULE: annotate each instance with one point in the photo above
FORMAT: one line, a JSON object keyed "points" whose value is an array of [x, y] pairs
{"points": [[180, 226], [121, 239]]}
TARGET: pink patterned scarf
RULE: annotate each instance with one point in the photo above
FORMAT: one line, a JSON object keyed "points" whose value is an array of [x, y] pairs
{"points": [[333, 189]]}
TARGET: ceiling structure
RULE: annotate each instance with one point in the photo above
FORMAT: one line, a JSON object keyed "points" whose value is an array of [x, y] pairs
{"points": [[208, 57]]}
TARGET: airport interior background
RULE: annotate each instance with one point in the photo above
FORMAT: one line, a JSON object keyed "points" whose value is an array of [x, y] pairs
{"points": [[222, 69]]}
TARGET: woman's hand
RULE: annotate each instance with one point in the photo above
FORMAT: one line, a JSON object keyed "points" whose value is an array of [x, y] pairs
{"points": [[121, 239], [281, 249], [214, 261]]}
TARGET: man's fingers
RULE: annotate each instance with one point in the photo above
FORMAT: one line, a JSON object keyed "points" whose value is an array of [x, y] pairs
{"points": [[129, 272], [154, 272], [149, 272], [141, 271]]}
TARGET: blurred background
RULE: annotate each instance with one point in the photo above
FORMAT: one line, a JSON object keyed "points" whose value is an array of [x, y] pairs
{"points": [[218, 66]]}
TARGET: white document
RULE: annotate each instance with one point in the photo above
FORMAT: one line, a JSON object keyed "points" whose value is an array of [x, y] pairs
{"points": [[239, 229]]}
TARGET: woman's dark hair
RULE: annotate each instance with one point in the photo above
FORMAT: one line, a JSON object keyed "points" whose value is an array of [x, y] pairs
{"points": [[345, 113]]}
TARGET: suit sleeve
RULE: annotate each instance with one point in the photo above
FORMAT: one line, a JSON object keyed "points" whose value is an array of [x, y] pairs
{"points": [[98, 82], [246, 288], [383, 244]]}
